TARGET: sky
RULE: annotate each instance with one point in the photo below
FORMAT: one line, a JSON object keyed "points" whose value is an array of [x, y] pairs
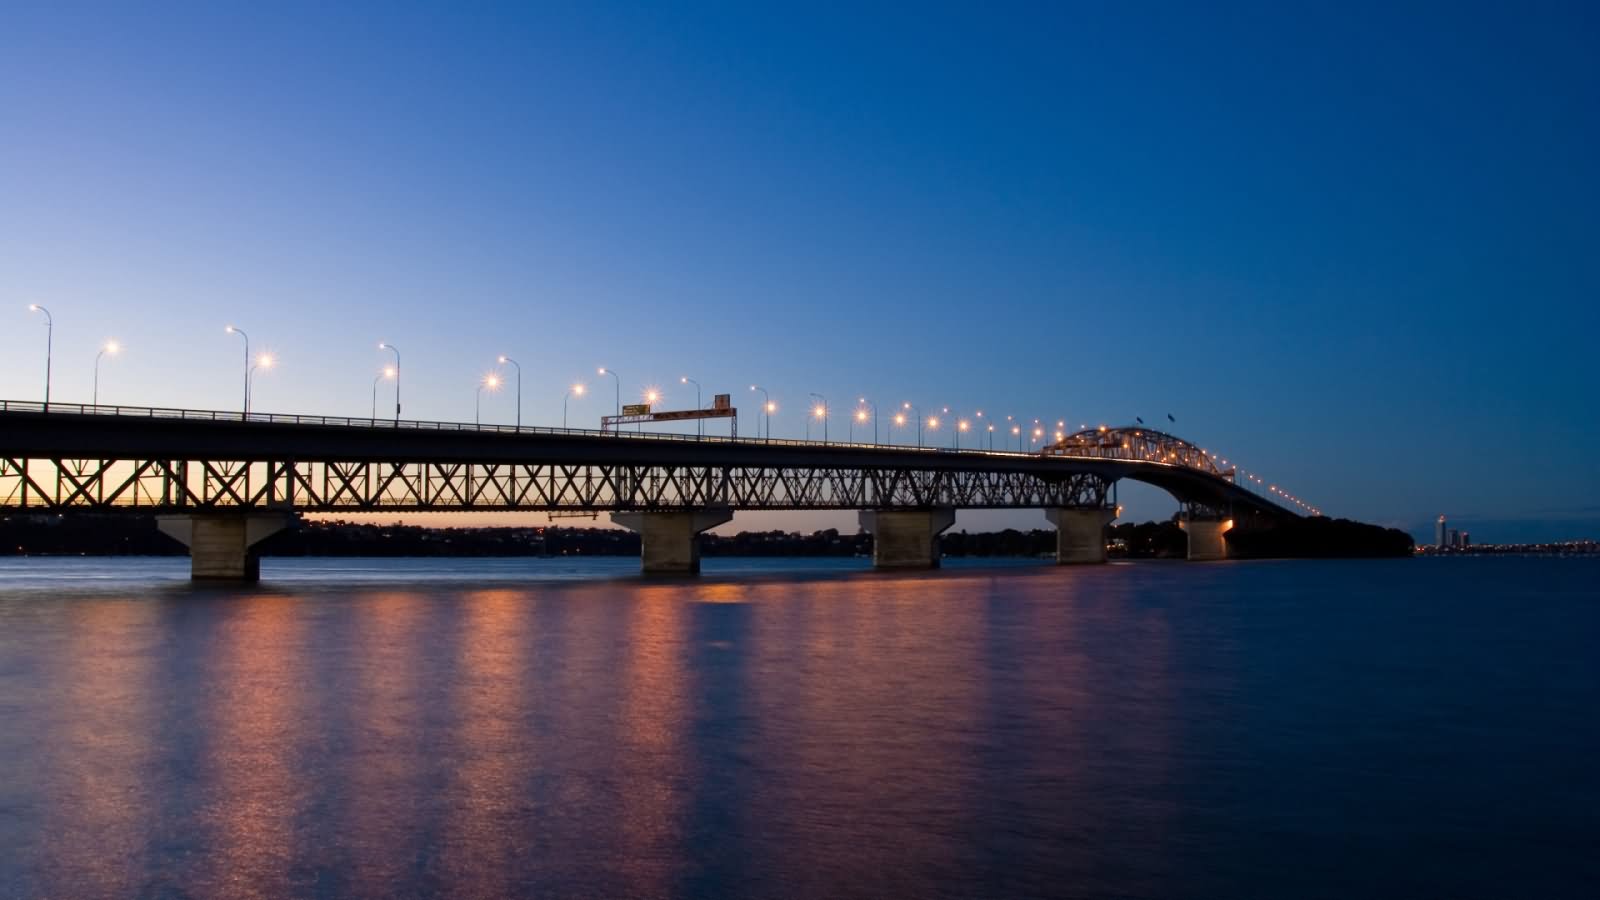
{"points": [[1353, 247]]}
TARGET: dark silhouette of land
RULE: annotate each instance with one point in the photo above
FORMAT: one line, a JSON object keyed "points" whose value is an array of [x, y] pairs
{"points": [[126, 535]]}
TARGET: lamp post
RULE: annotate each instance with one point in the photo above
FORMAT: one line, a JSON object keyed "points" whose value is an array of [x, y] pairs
{"points": [[918, 414], [821, 413], [111, 348], [396, 351], [701, 423], [388, 372], [575, 389], [264, 361], [506, 359], [651, 398], [492, 382], [766, 409], [961, 426], [874, 407], [991, 438], [1016, 432], [49, 347], [606, 371], [240, 332]]}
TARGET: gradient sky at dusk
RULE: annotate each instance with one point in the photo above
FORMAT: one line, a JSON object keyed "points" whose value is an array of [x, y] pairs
{"points": [[1353, 247]]}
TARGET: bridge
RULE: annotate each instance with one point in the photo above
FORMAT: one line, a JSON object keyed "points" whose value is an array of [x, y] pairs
{"points": [[221, 482]]}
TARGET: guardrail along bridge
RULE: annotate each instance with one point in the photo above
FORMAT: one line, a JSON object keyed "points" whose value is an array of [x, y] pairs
{"points": [[222, 482]]}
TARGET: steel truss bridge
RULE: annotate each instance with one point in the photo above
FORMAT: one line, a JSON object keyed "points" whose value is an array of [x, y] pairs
{"points": [[127, 459]]}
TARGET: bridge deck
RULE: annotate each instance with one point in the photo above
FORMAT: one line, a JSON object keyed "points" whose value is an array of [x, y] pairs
{"points": [[148, 458]]}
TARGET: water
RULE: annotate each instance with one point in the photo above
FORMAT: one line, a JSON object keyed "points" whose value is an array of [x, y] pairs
{"points": [[1407, 728]]}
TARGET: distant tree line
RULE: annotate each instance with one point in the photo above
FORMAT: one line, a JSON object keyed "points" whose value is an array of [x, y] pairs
{"points": [[126, 535]]}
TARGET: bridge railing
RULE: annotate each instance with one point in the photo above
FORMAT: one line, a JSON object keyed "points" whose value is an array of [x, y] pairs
{"points": [[202, 415]]}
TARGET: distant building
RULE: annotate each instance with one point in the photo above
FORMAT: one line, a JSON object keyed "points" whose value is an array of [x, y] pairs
{"points": [[1439, 533], [1455, 538], [1466, 539]]}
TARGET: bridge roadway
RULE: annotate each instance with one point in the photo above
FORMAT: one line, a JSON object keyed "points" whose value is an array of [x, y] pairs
{"points": [[221, 483]]}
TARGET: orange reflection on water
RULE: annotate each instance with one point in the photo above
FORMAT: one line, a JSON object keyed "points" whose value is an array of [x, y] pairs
{"points": [[255, 682], [875, 679], [97, 791], [384, 772], [651, 762], [492, 755]]}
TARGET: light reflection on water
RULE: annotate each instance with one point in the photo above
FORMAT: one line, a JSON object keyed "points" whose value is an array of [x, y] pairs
{"points": [[1278, 729]]}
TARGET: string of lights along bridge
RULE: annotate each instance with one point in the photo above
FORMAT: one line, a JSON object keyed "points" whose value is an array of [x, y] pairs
{"points": [[906, 420]]}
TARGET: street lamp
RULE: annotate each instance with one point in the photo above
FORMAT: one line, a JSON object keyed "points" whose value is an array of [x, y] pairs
{"points": [[111, 348], [918, 414], [604, 371], [767, 410], [961, 427], [700, 424], [388, 372], [492, 382], [991, 437], [651, 398], [820, 412], [240, 332], [506, 359], [575, 389], [264, 361], [396, 351], [1016, 432], [874, 407], [49, 347]]}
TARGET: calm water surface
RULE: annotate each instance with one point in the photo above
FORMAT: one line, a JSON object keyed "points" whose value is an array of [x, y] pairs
{"points": [[1411, 728]]}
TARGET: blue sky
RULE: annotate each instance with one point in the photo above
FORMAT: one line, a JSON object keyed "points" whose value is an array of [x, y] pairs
{"points": [[1352, 246]]}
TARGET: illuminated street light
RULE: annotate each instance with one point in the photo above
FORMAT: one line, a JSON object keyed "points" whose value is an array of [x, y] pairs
{"points": [[240, 332], [264, 361], [388, 372], [874, 407], [917, 414], [575, 389], [766, 409], [49, 347], [396, 351], [700, 424], [604, 371], [820, 412], [506, 359], [492, 382], [112, 348]]}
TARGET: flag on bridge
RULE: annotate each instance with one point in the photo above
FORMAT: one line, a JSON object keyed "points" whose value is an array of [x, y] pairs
{"points": [[1170, 418], [1139, 420]]}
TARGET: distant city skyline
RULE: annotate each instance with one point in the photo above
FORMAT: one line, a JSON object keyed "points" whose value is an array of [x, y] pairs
{"points": [[1378, 286]]}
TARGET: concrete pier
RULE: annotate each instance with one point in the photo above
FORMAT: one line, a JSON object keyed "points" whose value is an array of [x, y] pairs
{"points": [[670, 541], [1080, 534], [222, 545], [906, 538], [1207, 538]]}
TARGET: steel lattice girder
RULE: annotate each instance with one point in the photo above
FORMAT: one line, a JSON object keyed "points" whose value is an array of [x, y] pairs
{"points": [[165, 485]]}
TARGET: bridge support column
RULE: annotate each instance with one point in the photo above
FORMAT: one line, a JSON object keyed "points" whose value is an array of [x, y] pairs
{"points": [[906, 538], [669, 541], [222, 545], [1207, 538], [1080, 534]]}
